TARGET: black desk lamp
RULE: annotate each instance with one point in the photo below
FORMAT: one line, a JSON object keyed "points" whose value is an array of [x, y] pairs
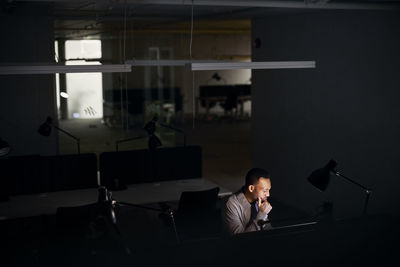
{"points": [[216, 77], [320, 179], [45, 130], [93, 215], [4, 148], [150, 128], [107, 205]]}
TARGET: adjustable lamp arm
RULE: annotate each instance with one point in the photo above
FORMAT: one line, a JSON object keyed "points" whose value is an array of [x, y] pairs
{"points": [[67, 133], [170, 213], [78, 141], [176, 130], [45, 130], [138, 206], [366, 190], [105, 197], [127, 140]]}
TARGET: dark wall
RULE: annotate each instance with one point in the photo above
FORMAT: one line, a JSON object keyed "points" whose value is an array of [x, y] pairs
{"points": [[346, 109], [26, 100]]}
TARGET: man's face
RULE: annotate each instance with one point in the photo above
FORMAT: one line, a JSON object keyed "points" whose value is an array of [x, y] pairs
{"points": [[261, 189]]}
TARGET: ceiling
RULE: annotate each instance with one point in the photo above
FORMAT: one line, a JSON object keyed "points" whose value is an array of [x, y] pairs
{"points": [[108, 18]]}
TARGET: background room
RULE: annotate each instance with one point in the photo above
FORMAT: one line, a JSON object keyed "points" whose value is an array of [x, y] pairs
{"points": [[104, 93]]}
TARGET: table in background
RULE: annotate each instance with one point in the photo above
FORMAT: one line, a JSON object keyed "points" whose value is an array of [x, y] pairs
{"points": [[33, 205]]}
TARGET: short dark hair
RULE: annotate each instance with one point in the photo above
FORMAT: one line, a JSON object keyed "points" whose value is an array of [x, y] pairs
{"points": [[254, 175]]}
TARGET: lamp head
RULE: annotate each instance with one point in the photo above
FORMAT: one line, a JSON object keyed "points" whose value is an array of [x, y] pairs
{"points": [[216, 76], [320, 177], [150, 127], [4, 148], [45, 128]]}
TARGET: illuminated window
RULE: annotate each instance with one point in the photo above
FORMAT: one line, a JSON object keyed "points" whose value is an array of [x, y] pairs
{"points": [[85, 90]]}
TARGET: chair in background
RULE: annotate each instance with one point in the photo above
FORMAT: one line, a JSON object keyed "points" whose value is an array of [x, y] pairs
{"points": [[197, 215], [230, 103]]}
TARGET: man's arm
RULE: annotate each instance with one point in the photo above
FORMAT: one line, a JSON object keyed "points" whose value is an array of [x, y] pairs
{"points": [[264, 208], [234, 217]]}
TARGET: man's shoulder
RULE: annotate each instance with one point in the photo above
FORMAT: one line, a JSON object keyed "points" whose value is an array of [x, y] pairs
{"points": [[234, 198]]}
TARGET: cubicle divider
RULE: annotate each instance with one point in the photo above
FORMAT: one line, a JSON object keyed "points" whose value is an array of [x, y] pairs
{"points": [[68, 172], [34, 174], [118, 169], [20, 175]]}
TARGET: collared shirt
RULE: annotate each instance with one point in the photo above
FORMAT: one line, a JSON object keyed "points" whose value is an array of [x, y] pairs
{"points": [[237, 215]]}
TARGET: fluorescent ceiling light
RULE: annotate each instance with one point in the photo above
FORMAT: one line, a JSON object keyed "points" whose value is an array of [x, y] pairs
{"points": [[319, 4], [51, 69], [222, 65], [167, 62], [252, 65]]}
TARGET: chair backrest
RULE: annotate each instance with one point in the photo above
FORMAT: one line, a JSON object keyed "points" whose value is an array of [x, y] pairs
{"points": [[197, 215], [198, 202]]}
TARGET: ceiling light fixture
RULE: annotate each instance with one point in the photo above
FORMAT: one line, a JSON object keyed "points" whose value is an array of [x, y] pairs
{"points": [[316, 4], [252, 65], [51, 69], [167, 62]]}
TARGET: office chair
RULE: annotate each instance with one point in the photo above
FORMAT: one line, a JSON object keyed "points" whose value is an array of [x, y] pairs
{"points": [[197, 215]]}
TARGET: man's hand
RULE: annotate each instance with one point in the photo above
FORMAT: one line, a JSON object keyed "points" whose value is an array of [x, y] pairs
{"points": [[264, 206]]}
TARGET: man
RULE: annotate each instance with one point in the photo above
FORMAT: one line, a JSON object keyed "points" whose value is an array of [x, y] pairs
{"points": [[248, 209]]}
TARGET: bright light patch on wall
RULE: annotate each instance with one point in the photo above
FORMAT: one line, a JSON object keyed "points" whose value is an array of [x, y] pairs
{"points": [[85, 92], [82, 49], [75, 115], [56, 54]]}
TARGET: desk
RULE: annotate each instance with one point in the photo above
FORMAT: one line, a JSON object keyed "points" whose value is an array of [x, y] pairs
{"points": [[209, 99], [33, 205]]}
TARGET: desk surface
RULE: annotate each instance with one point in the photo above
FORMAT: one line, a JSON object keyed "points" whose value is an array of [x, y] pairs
{"points": [[33, 205]]}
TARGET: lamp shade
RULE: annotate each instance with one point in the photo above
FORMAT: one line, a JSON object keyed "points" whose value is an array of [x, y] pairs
{"points": [[150, 127], [45, 128], [216, 76], [320, 177], [4, 148]]}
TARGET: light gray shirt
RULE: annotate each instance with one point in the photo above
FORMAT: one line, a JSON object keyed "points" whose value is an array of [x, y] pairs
{"points": [[237, 215]]}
